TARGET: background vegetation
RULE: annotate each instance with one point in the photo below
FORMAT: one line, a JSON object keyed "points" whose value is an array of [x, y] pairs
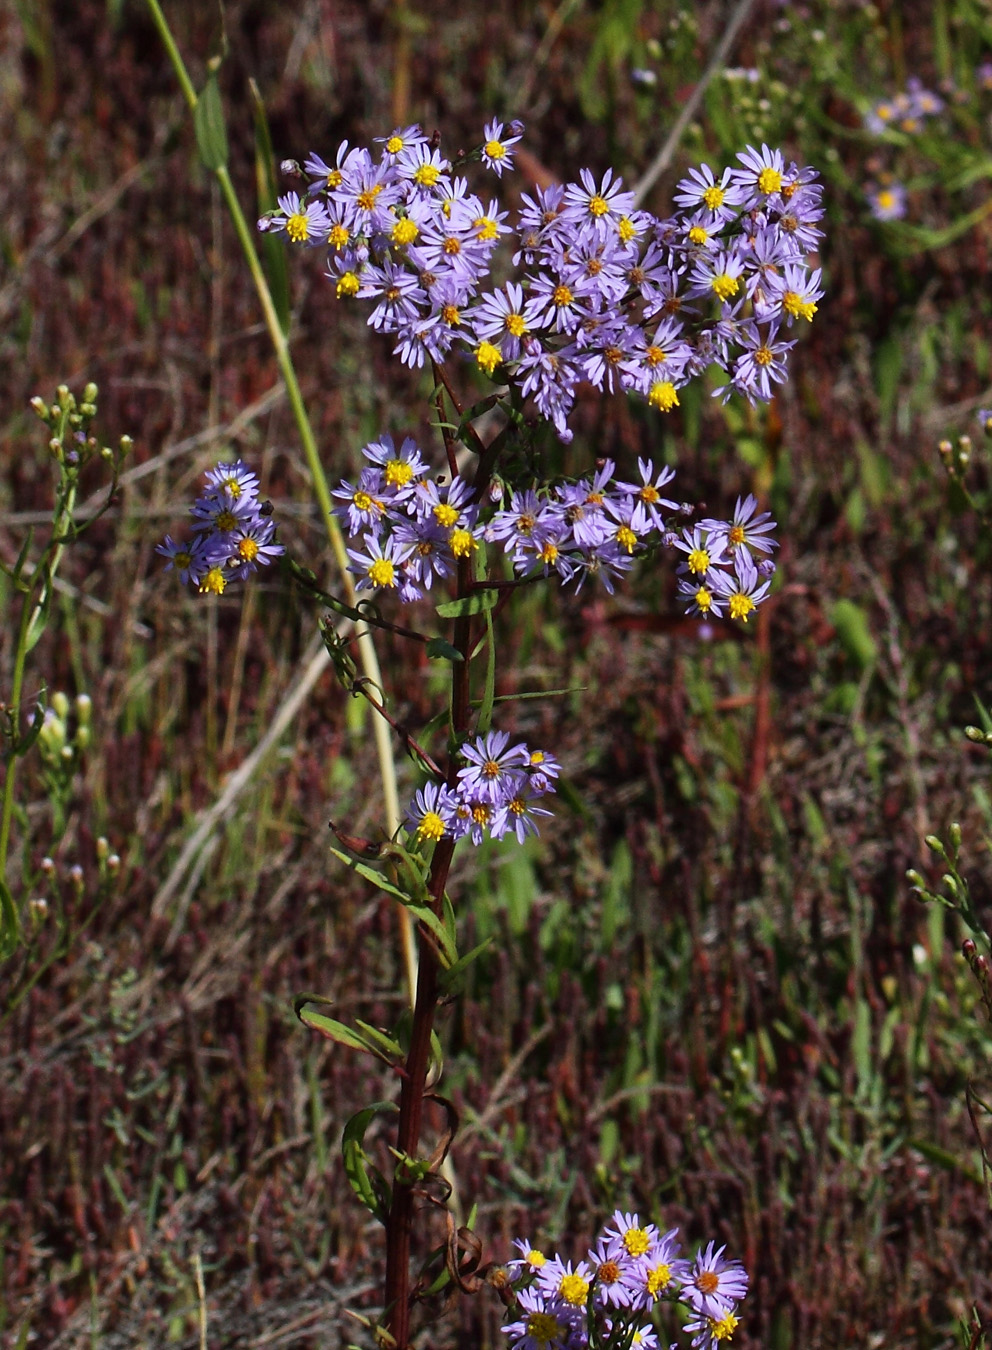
{"points": [[715, 997]]}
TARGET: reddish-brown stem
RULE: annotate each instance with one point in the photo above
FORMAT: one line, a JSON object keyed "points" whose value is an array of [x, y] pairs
{"points": [[399, 1226]]}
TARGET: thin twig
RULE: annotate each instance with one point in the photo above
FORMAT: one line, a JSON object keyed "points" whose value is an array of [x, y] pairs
{"points": [[665, 155]]}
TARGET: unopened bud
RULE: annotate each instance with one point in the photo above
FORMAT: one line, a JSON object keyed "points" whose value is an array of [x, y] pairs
{"points": [[87, 409], [106, 453], [914, 879], [982, 965], [55, 446], [61, 704], [40, 407], [39, 908], [64, 397], [102, 848], [968, 949], [66, 754], [84, 708], [113, 862], [48, 866], [90, 393], [974, 733], [82, 738], [76, 876], [291, 168], [954, 832], [945, 448], [934, 845]]}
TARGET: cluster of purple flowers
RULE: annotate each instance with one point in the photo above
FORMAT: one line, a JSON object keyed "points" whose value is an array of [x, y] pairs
{"points": [[234, 533], [496, 793], [630, 1268], [905, 112], [414, 529], [609, 294]]}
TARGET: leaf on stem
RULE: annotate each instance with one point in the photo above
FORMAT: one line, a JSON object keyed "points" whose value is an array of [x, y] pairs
{"points": [[208, 123]]}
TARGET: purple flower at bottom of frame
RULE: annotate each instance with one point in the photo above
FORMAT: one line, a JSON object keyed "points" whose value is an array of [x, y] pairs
{"points": [[361, 506], [302, 222], [530, 1257], [558, 1280], [708, 1332], [431, 814], [629, 1235], [491, 762], [615, 1286], [985, 420], [887, 202], [760, 365], [399, 467], [703, 552], [236, 479], [713, 1285], [659, 1271], [543, 1325], [606, 562]]}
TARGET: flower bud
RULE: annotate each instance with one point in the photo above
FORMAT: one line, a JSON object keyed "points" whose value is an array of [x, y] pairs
{"points": [[84, 708], [55, 446], [945, 449], [61, 704], [935, 845], [90, 393], [982, 965], [126, 443], [955, 834], [48, 866], [82, 738], [66, 754], [88, 409], [102, 848], [64, 397], [113, 862], [974, 733], [291, 168], [40, 407], [76, 876], [968, 949], [915, 880], [39, 908]]}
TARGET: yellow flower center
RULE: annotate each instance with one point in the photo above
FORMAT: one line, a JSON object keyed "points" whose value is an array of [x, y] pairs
{"points": [[488, 356], [451, 315], [452, 246], [225, 521], [515, 325], [462, 543], [663, 396], [608, 1273], [348, 285], [699, 560], [405, 231], [573, 1289], [562, 296], [626, 229], [214, 581], [339, 236], [536, 1259], [736, 536], [298, 228], [486, 227], [431, 826], [394, 145], [367, 198], [697, 235], [494, 150], [763, 356], [248, 549], [382, 573], [769, 180], [654, 356], [659, 1276], [549, 552], [713, 197], [543, 1328], [426, 175], [445, 515], [649, 494], [334, 179], [626, 538], [723, 1329], [708, 1282], [725, 285], [741, 606], [636, 1241]]}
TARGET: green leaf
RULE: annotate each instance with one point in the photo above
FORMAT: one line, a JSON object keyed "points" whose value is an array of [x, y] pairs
{"points": [[388, 1048], [10, 924], [851, 624], [366, 1181], [208, 123], [489, 692], [370, 874], [476, 603], [274, 260], [439, 650], [450, 977]]}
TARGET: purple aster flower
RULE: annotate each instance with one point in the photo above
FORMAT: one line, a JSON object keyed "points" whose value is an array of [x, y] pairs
{"points": [[794, 293], [713, 1285], [253, 545], [708, 1332], [236, 479], [761, 175], [985, 420], [648, 492], [719, 197], [379, 566], [400, 139], [399, 467], [496, 154], [363, 506], [302, 222], [505, 317], [558, 1280], [615, 1285], [659, 1270], [887, 202], [762, 363], [492, 762], [700, 597], [519, 811], [598, 208], [544, 1324], [742, 590], [703, 552], [431, 813], [745, 529]]}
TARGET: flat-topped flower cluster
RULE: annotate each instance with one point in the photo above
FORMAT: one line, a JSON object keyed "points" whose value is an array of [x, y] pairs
{"points": [[496, 793], [414, 529], [605, 1300], [609, 294], [234, 533]]}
